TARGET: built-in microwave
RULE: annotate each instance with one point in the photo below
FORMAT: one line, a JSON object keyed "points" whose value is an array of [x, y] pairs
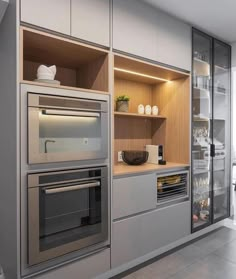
{"points": [[66, 128]]}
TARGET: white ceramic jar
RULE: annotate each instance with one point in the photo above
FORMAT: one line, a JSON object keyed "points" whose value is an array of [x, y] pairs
{"points": [[140, 109], [148, 110], [155, 110]]}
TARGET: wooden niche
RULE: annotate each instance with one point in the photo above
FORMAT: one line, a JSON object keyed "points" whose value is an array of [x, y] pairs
{"points": [[78, 65], [150, 84]]}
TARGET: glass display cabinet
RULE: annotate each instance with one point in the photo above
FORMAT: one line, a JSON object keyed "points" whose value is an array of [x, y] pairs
{"points": [[210, 130]]}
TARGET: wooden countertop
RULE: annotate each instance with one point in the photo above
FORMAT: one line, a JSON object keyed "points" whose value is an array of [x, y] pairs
{"points": [[124, 169]]}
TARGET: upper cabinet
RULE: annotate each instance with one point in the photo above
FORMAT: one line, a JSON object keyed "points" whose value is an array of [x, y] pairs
{"points": [[53, 14], [90, 20], [142, 30]]}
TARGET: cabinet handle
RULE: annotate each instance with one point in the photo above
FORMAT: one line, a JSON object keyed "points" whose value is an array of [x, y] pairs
{"points": [[212, 151], [72, 188]]}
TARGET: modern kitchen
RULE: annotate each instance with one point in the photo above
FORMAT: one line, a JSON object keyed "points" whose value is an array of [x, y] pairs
{"points": [[116, 142]]}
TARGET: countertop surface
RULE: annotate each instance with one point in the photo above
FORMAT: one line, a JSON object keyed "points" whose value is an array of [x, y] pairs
{"points": [[124, 169]]}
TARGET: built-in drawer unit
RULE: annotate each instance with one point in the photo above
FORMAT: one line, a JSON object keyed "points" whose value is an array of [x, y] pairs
{"points": [[139, 235], [134, 194], [172, 187], [86, 268]]}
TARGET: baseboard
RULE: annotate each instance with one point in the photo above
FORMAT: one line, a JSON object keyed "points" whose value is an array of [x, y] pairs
{"points": [[158, 252]]}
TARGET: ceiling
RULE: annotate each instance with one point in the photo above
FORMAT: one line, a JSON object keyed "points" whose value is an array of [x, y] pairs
{"points": [[217, 17]]}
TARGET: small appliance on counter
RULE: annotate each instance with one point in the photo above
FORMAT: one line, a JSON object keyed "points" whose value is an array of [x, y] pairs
{"points": [[135, 157], [155, 154]]}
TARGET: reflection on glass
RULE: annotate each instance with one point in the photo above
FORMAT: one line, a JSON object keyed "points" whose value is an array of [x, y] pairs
{"points": [[64, 133], [69, 216], [201, 130], [221, 130]]}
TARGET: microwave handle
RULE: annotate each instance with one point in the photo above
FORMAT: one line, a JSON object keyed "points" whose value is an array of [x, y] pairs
{"points": [[70, 113], [72, 188]]}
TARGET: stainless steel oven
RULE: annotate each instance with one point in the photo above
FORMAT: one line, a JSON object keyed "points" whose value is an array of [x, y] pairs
{"points": [[66, 128], [67, 211]]}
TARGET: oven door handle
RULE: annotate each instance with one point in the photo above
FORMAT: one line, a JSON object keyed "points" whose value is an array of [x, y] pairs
{"points": [[72, 188], [70, 113]]}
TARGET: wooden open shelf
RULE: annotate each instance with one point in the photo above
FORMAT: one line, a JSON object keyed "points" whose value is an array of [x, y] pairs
{"points": [[78, 65], [129, 114], [171, 128]]}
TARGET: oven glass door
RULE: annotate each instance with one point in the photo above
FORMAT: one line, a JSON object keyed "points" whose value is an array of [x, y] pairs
{"points": [[66, 217], [66, 133]]}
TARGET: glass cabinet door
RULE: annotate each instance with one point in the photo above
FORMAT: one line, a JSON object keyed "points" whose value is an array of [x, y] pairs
{"points": [[201, 130], [221, 130]]}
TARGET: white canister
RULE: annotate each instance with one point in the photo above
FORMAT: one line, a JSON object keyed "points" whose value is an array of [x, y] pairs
{"points": [[140, 109], [155, 110], [148, 109]]}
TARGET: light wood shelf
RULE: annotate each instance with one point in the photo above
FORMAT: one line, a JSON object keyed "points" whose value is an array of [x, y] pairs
{"points": [[129, 114], [124, 169], [133, 131], [78, 65], [63, 87]]}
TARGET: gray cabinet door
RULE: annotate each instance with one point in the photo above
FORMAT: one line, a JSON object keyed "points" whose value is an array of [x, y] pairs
{"points": [[137, 236], [141, 30], [49, 14], [134, 194], [90, 20]]}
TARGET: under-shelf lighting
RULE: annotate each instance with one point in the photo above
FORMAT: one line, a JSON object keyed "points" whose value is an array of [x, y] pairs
{"points": [[139, 74]]}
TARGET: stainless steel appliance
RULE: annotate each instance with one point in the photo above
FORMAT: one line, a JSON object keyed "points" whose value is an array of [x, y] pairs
{"points": [[67, 211], [66, 128]]}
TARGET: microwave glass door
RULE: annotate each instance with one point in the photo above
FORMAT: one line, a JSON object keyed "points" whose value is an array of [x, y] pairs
{"points": [[65, 129], [70, 216]]}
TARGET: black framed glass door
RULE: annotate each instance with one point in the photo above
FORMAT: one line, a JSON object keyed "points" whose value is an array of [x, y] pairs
{"points": [[221, 130]]}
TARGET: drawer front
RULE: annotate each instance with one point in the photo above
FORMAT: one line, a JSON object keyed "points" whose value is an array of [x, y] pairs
{"points": [[133, 195], [139, 235], [100, 263]]}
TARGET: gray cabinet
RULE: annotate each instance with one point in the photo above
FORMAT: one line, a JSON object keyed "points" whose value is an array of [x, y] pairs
{"points": [[90, 20], [86, 268], [139, 235], [134, 194], [142, 30], [53, 14]]}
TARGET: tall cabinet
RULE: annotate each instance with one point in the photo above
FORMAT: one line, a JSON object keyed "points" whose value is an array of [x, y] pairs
{"points": [[211, 135]]}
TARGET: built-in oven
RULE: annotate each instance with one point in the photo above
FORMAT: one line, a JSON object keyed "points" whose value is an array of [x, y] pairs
{"points": [[67, 211], [66, 128]]}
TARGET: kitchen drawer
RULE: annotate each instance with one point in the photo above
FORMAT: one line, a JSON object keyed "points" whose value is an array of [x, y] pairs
{"points": [[139, 235], [134, 194], [86, 268]]}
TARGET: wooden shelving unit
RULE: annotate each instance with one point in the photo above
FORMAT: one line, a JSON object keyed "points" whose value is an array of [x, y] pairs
{"points": [[151, 84], [79, 66], [129, 114]]}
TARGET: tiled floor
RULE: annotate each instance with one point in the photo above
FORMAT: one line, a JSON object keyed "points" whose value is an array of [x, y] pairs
{"points": [[211, 257]]}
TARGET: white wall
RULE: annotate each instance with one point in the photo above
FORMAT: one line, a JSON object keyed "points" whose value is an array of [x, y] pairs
{"points": [[234, 54]]}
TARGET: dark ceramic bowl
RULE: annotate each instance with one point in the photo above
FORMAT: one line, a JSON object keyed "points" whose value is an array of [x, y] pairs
{"points": [[134, 157]]}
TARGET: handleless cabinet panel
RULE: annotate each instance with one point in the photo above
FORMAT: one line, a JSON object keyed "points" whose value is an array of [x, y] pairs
{"points": [[86, 268], [142, 30], [139, 235], [90, 20], [134, 28], [134, 194], [53, 14]]}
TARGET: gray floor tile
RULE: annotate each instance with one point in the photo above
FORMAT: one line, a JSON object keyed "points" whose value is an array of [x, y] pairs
{"points": [[212, 257], [228, 252], [225, 234], [209, 244], [210, 267]]}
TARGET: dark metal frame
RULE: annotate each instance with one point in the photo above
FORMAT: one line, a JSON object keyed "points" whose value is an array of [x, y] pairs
{"points": [[211, 194]]}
